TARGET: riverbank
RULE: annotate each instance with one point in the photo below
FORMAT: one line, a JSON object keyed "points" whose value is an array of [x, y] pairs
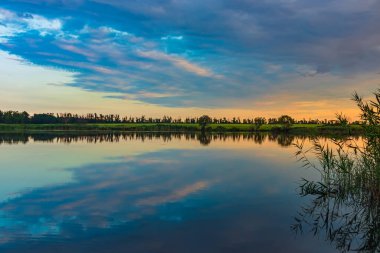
{"points": [[182, 127]]}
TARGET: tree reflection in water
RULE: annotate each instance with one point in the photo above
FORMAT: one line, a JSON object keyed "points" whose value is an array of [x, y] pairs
{"points": [[205, 139]]}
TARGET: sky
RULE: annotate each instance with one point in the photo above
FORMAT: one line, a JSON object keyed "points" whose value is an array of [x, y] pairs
{"points": [[184, 58]]}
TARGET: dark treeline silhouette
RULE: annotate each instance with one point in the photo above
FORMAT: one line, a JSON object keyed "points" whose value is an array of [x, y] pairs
{"points": [[283, 140], [15, 117]]}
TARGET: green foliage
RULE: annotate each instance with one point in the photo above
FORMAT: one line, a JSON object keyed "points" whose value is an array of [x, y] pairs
{"points": [[44, 118], [310, 129], [370, 112], [286, 121], [258, 122], [13, 117], [203, 121], [342, 119]]}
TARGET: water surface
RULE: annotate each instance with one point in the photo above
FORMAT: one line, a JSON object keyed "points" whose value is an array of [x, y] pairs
{"points": [[151, 193]]}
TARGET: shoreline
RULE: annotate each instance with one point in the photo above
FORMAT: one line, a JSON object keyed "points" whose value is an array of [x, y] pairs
{"points": [[182, 128]]}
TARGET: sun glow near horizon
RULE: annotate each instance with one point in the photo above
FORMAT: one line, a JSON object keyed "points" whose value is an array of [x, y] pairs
{"points": [[49, 92]]}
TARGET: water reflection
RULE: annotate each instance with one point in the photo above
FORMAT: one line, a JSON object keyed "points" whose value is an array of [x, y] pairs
{"points": [[344, 203], [284, 140], [98, 198], [150, 192]]}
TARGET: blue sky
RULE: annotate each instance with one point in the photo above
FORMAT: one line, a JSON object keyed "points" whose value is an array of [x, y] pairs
{"points": [[241, 55]]}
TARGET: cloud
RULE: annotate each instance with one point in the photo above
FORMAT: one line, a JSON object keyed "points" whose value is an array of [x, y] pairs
{"points": [[41, 24], [170, 37], [215, 52], [177, 61], [13, 24], [174, 196], [124, 195]]}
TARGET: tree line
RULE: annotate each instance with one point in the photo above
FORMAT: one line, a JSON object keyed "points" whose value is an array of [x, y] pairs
{"points": [[16, 117]]}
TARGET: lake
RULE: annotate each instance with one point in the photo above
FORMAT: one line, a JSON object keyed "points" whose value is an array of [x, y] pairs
{"points": [[136, 192]]}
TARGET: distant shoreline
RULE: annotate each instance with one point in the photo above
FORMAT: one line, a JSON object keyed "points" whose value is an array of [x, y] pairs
{"points": [[183, 127]]}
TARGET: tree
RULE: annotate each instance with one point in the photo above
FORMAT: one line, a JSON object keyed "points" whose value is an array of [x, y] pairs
{"points": [[203, 121], [258, 122], [286, 121], [44, 118]]}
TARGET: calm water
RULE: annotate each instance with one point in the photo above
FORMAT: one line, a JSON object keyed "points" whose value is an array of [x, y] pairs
{"points": [[152, 193]]}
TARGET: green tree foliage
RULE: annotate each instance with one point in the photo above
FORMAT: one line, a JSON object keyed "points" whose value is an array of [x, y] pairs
{"points": [[13, 117], [203, 121], [286, 121], [44, 118], [258, 122]]}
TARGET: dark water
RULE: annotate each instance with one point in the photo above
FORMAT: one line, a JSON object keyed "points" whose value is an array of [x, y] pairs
{"points": [[152, 193]]}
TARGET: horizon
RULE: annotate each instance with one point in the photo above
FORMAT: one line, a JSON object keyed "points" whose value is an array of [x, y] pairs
{"points": [[148, 117], [185, 59]]}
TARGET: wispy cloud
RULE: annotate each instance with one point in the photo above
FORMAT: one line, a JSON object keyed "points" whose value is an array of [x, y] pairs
{"points": [[12, 23], [178, 62], [217, 53]]}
